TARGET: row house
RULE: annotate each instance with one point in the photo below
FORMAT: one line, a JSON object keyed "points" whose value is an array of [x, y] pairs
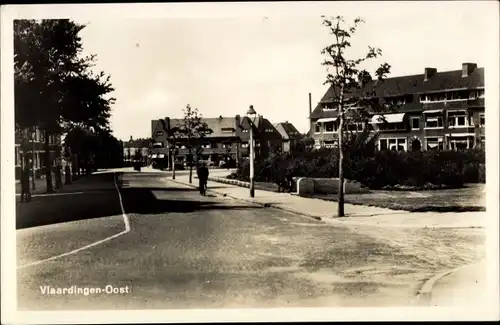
{"points": [[227, 141], [430, 111], [30, 148]]}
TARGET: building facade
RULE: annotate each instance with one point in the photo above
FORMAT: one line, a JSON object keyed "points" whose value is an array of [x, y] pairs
{"points": [[434, 111], [30, 146], [228, 140], [289, 135]]}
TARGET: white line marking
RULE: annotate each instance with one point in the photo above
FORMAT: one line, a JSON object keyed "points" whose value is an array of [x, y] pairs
{"points": [[127, 229], [54, 194]]}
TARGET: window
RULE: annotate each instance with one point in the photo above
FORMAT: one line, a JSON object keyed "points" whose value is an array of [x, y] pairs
{"points": [[383, 144], [330, 144], [479, 93], [434, 122], [159, 133], [158, 145], [329, 126], [415, 123], [317, 128], [461, 143], [435, 143], [483, 141], [244, 145], [269, 130], [482, 121], [391, 126], [17, 158], [355, 126], [245, 130], [206, 146], [395, 144], [457, 119], [183, 147]]}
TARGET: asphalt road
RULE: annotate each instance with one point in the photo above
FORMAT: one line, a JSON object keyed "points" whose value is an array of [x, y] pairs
{"points": [[177, 249]]}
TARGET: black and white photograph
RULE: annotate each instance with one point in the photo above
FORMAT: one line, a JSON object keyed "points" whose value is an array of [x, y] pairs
{"points": [[250, 161]]}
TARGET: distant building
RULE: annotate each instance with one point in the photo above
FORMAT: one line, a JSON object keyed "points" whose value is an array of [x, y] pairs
{"points": [[30, 144], [131, 147], [228, 141], [436, 110], [289, 135]]}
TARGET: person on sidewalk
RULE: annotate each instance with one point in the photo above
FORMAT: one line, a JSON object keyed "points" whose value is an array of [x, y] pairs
{"points": [[25, 184], [203, 178]]}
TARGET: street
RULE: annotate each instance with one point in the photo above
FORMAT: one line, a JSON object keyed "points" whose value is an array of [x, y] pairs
{"points": [[172, 248]]}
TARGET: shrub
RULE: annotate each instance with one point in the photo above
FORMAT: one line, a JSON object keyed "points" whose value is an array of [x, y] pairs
{"points": [[375, 169]]}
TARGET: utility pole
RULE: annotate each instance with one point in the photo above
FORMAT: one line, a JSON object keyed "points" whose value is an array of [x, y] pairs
{"points": [[33, 187]]}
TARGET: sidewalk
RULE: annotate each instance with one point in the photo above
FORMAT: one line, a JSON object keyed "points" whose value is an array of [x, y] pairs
{"points": [[355, 214], [464, 287]]}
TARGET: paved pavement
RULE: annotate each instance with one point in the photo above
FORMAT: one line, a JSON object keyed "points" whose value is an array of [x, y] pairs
{"points": [[165, 246], [466, 287], [355, 214]]}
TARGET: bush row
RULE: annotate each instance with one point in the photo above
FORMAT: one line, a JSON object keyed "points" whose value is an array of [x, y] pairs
{"points": [[375, 169]]}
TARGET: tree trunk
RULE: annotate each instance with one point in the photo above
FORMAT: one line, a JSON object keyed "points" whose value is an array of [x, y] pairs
{"points": [[48, 163], [340, 210], [190, 165]]}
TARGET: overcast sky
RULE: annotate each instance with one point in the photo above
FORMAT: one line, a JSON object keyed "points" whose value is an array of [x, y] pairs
{"points": [[222, 58]]}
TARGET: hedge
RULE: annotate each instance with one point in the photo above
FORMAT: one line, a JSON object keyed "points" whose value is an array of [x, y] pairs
{"points": [[375, 169]]}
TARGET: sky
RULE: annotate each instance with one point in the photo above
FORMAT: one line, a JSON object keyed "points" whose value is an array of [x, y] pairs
{"points": [[221, 58]]}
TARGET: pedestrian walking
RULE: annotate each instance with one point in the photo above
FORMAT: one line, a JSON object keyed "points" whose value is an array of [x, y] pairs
{"points": [[25, 184], [203, 178]]}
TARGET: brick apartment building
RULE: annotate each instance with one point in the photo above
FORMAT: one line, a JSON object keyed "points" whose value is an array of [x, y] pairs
{"points": [[227, 142], [31, 144], [435, 110]]}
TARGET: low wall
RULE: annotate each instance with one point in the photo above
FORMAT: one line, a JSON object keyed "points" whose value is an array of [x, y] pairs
{"points": [[328, 186], [229, 181]]}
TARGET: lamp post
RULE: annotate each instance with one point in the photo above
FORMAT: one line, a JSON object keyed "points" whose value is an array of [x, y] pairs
{"points": [[251, 116]]}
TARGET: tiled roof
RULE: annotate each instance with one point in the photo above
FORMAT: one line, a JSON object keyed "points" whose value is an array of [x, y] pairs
{"points": [[286, 129], [412, 84], [216, 124]]}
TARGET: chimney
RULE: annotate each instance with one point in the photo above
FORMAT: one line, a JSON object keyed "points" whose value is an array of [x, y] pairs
{"points": [[167, 123], [467, 69], [238, 121], [429, 72], [310, 106]]}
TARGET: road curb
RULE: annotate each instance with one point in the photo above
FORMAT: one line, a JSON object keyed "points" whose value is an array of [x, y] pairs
{"points": [[424, 295], [264, 205]]}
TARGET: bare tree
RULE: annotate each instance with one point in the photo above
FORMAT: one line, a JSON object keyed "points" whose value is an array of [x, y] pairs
{"points": [[192, 129], [353, 87]]}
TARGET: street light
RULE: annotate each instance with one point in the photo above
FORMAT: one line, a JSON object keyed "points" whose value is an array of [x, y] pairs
{"points": [[251, 116]]}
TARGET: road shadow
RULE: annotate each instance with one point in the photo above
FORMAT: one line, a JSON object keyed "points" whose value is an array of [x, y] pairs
{"points": [[142, 201], [46, 210]]}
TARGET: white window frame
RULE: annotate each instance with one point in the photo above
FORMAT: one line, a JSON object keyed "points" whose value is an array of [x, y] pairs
{"points": [[431, 117], [395, 142], [469, 140], [359, 126], [412, 118], [316, 127], [440, 140], [456, 126]]}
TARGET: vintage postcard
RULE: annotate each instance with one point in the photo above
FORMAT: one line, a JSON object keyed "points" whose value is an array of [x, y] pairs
{"points": [[281, 161]]}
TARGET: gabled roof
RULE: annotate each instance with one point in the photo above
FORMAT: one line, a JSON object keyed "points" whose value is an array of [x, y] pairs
{"points": [[216, 124], [286, 129]]}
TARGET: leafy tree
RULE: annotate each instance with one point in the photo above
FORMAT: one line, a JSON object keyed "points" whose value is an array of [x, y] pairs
{"points": [[54, 89], [192, 130], [353, 87]]}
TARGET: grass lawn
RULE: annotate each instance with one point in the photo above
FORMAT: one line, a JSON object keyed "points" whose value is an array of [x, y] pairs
{"points": [[469, 198]]}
